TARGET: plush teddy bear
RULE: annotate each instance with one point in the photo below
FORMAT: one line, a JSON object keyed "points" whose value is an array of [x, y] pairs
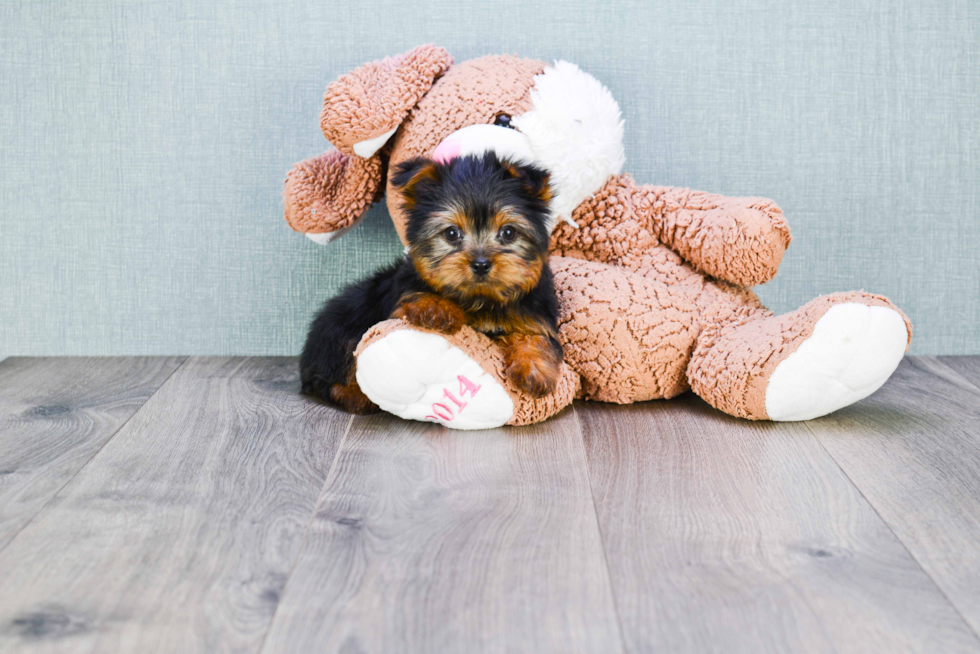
{"points": [[653, 281]]}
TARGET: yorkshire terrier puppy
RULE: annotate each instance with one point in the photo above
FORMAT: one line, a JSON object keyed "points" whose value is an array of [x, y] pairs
{"points": [[477, 230]]}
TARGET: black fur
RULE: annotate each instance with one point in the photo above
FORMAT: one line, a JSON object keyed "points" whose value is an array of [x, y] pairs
{"points": [[477, 183], [328, 356]]}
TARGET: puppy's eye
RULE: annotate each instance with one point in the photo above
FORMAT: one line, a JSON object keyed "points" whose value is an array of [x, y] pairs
{"points": [[507, 234], [502, 120], [452, 234]]}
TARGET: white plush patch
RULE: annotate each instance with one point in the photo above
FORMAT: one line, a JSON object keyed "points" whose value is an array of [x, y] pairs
{"points": [[476, 139], [366, 149], [853, 349], [326, 237], [575, 131], [420, 376], [321, 239]]}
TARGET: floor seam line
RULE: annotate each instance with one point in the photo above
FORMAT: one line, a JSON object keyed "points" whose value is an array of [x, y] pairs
{"points": [[306, 532], [936, 358], [598, 525], [898, 538], [94, 454]]}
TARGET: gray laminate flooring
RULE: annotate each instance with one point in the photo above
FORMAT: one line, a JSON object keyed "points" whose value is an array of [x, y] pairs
{"points": [[200, 504]]}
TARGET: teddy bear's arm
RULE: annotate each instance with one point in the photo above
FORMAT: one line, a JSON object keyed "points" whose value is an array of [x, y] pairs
{"points": [[327, 194], [739, 240]]}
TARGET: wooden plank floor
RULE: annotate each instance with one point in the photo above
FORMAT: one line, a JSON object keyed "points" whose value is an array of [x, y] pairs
{"points": [[202, 505], [55, 414], [913, 449], [432, 541], [746, 537]]}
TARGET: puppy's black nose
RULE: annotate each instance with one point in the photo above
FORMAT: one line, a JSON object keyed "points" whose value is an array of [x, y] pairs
{"points": [[480, 266]]}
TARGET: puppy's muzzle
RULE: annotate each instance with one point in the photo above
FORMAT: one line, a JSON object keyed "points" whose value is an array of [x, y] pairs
{"points": [[480, 266]]}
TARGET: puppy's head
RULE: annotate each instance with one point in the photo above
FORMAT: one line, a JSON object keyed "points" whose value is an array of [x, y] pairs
{"points": [[477, 226]]}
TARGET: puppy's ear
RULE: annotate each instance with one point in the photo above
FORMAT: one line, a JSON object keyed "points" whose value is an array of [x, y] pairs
{"points": [[535, 182], [411, 176]]}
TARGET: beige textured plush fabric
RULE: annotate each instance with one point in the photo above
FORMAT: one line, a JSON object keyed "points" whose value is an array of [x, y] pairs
{"points": [[377, 97], [734, 358], [657, 332], [471, 93], [653, 282], [329, 192], [481, 349]]}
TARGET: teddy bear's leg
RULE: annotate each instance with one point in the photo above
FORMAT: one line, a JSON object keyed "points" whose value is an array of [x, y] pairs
{"points": [[832, 352], [629, 335], [456, 380]]}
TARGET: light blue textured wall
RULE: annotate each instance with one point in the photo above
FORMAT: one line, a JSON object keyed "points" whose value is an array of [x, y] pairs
{"points": [[144, 146]]}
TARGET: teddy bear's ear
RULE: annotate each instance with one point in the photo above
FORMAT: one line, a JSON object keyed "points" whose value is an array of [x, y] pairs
{"points": [[362, 109], [327, 195]]}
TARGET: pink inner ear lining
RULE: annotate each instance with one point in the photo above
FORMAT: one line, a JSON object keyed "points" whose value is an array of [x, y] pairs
{"points": [[447, 151]]}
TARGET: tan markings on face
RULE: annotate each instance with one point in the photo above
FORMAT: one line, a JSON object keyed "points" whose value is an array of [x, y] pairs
{"points": [[523, 243], [443, 265], [508, 216], [456, 216], [469, 93], [449, 274], [515, 266], [431, 242], [511, 277]]}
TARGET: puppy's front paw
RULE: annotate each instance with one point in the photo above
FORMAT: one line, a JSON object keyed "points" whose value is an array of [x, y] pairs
{"points": [[536, 378], [532, 365], [432, 312]]}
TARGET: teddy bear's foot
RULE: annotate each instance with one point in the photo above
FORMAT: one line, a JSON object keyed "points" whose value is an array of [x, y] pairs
{"points": [[853, 350], [456, 381], [829, 353], [419, 375]]}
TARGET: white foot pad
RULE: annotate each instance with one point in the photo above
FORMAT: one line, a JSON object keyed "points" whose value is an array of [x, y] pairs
{"points": [[420, 376], [854, 348]]}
